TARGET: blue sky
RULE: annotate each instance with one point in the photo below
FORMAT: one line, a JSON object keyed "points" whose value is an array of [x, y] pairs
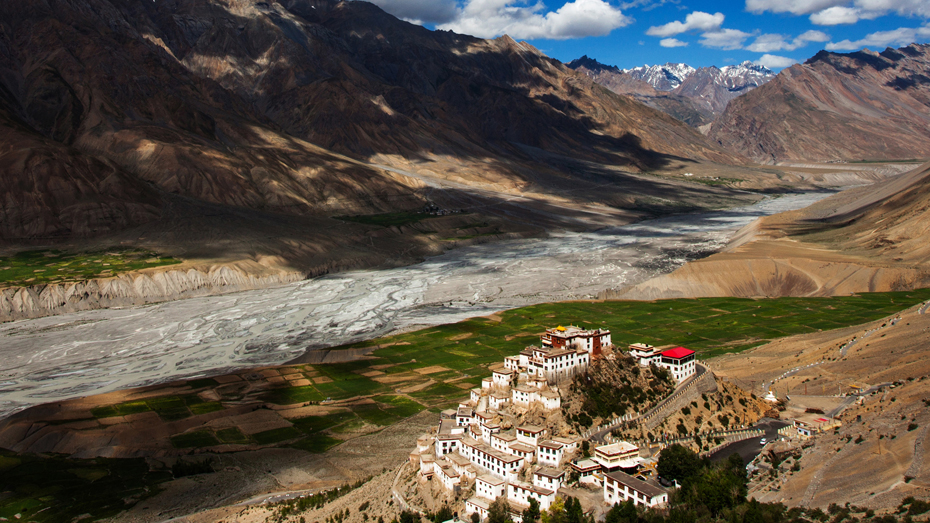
{"points": [[629, 33]]}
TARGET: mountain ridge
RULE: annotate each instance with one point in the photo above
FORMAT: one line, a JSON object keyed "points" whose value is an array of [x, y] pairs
{"points": [[694, 95], [836, 107]]}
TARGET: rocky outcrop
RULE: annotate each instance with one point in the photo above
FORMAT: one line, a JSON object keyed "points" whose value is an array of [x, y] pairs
{"points": [[135, 288], [857, 106]]}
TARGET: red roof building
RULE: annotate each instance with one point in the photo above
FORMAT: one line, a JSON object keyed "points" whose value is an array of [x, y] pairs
{"points": [[679, 361]]}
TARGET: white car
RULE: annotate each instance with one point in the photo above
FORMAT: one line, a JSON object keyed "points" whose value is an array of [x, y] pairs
{"points": [[762, 442]]}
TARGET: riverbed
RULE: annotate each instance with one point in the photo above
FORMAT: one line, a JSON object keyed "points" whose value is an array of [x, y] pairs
{"points": [[77, 354]]}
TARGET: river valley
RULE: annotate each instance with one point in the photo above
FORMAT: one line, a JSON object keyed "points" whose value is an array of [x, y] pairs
{"points": [[54, 358]]}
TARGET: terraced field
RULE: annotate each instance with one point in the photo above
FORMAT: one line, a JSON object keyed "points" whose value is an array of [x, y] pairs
{"points": [[52, 266]]}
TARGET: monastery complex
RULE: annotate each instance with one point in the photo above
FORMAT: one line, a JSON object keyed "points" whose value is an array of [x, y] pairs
{"points": [[471, 447]]}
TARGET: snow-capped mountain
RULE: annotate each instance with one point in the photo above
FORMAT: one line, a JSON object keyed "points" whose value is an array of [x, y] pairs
{"points": [[696, 96], [662, 77]]}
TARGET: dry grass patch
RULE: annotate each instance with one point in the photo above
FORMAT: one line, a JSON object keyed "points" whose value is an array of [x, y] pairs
{"points": [[396, 378], [511, 337], [229, 378], [461, 336], [372, 373], [253, 422], [322, 379], [417, 387], [268, 373], [432, 369]]}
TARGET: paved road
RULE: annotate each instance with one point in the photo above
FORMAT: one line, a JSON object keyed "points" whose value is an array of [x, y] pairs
{"points": [[750, 448]]}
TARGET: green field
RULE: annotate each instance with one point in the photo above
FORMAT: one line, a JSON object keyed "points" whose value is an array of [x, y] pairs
{"points": [[50, 266], [52, 489], [168, 408]]}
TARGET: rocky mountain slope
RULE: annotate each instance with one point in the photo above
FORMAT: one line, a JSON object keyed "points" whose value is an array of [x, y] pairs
{"points": [[857, 106], [109, 108], [862, 240], [695, 96]]}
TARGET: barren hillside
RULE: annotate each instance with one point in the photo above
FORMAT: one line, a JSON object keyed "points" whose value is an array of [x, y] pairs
{"points": [[857, 106], [884, 434], [867, 239]]}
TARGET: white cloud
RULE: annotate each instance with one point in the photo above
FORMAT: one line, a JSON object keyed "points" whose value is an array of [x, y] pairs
{"points": [[834, 12], [727, 39], [576, 19], [775, 62], [776, 42], [900, 36], [836, 16], [696, 21], [796, 7], [672, 42]]}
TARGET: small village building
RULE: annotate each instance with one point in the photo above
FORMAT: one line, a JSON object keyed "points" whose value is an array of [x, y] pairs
{"points": [[500, 464], [427, 461], [550, 400], [809, 425], [497, 400], [502, 377], [490, 487], [527, 452], [549, 478], [570, 444], [588, 471], [462, 466], [618, 455], [448, 414], [512, 363], [555, 365], [530, 434], [646, 354], [487, 383], [537, 383], [523, 395], [489, 429], [465, 416], [475, 395], [521, 493], [447, 475], [484, 417], [502, 441], [549, 453], [476, 504], [474, 431], [620, 487], [449, 437], [591, 341], [680, 362], [424, 442]]}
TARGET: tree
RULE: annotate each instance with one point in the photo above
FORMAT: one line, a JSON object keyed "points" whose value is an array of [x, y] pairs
{"points": [[443, 514], [679, 463], [475, 518], [556, 512], [408, 516], [499, 511], [531, 514], [622, 513], [573, 511]]}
